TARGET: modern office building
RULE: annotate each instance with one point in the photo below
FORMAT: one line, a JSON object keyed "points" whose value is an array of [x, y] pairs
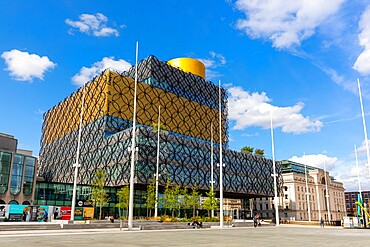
{"points": [[351, 199], [189, 114], [293, 204], [17, 172]]}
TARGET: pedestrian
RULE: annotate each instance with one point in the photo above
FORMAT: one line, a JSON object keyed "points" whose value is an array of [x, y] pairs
{"points": [[255, 220], [56, 213], [45, 216], [28, 215], [322, 222]]}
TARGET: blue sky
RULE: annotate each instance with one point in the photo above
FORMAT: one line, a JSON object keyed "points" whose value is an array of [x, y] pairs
{"points": [[299, 59]]}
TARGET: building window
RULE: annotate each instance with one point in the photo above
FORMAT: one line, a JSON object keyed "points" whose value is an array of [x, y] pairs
{"points": [[5, 160], [285, 188], [29, 175], [297, 188], [286, 196], [17, 172], [267, 206]]}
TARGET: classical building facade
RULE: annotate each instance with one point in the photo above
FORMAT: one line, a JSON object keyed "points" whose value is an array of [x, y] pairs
{"points": [[294, 203], [190, 111], [17, 172]]}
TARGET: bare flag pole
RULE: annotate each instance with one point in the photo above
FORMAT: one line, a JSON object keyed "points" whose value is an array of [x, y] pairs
{"points": [[221, 164], [364, 125], [157, 165], [276, 199], [133, 150]]}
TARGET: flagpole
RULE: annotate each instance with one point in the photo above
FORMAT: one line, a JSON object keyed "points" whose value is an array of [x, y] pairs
{"points": [[221, 164], [133, 149], [364, 125], [358, 174], [307, 193], [77, 165], [327, 193], [157, 166], [277, 219], [212, 211]]}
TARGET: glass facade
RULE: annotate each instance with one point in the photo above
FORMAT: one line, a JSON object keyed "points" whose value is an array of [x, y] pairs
{"points": [[5, 161], [29, 175], [17, 172]]}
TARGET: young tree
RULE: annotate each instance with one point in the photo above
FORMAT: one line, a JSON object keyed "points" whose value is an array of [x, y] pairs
{"points": [[123, 197], [194, 200], [211, 202], [247, 149], [150, 197], [170, 198], [183, 200], [260, 152], [98, 195]]}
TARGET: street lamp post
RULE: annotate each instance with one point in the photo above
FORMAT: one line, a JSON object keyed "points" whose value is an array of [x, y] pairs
{"points": [[276, 199], [157, 165], [77, 165], [133, 149]]}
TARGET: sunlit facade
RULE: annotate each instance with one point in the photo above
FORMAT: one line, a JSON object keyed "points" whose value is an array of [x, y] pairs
{"points": [[17, 172]]}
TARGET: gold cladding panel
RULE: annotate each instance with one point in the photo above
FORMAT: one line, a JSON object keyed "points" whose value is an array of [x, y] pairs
{"points": [[178, 114], [64, 118]]}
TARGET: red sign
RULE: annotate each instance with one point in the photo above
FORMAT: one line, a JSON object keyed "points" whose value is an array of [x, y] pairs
{"points": [[66, 213]]}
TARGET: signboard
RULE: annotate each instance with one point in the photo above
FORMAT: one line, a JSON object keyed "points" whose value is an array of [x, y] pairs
{"points": [[66, 213], [88, 213], [16, 212], [83, 203], [79, 213]]}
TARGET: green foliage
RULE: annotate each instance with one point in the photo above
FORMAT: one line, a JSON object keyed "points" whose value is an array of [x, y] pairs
{"points": [[123, 197], [170, 199], [211, 202], [162, 127], [98, 195], [150, 196], [260, 152], [193, 199], [247, 149]]}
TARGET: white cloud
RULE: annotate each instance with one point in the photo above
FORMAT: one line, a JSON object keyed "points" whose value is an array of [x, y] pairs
{"points": [[316, 160], [24, 66], [253, 109], [86, 74], [215, 60], [362, 63], [285, 22], [92, 24]]}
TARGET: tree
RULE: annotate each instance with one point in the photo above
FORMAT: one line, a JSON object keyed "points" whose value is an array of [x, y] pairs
{"points": [[194, 199], [170, 197], [98, 195], [247, 149], [162, 127], [123, 197], [260, 152], [211, 202], [150, 197]]}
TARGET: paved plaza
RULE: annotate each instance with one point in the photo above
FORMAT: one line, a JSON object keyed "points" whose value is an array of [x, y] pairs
{"points": [[261, 236]]}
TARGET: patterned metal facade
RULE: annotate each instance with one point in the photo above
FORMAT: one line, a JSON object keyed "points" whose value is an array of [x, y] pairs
{"points": [[189, 105]]}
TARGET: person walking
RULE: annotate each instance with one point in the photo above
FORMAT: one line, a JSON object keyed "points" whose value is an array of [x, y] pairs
{"points": [[322, 222], [28, 215], [255, 220]]}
